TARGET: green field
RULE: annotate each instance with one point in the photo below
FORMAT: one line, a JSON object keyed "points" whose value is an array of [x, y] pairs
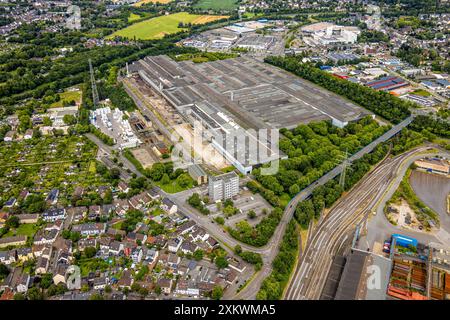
{"points": [[67, 96], [134, 17], [158, 27], [217, 4], [28, 230], [173, 186], [421, 92]]}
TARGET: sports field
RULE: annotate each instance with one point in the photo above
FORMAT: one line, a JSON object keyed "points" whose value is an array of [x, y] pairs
{"points": [[140, 3], [158, 27], [217, 4]]}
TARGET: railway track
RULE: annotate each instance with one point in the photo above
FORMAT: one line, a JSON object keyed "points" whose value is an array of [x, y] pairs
{"points": [[330, 234]]}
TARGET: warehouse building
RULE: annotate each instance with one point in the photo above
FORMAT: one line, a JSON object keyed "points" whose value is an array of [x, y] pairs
{"points": [[198, 174], [235, 95]]}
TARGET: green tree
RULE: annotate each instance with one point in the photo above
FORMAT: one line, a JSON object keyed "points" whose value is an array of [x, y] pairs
{"points": [[35, 293], [198, 254], [221, 262], [4, 271], [46, 280], [13, 222], [90, 252], [217, 293], [96, 296], [165, 179]]}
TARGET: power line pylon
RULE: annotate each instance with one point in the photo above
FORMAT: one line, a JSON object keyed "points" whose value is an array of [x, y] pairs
{"points": [[344, 169], [95, 97]]}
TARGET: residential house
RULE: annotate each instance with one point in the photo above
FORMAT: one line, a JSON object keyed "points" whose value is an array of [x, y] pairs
{"points": [[59, 276], [100, 283], [77, 213], [151, 256], [23, 254], [52, 197], [7, 257], [45, 237], [187, 288], [13, 241], [158, 241], [199, 234], [9, 136], [165, 285], [108, 209], [175, 244], [54, 214], [17, 281], [123, 187], [168, 206], [188, 247], [212, 243], [154, 193], [136, 255], [28, 134], [56, 225], [41, 265], [122, 206], [94, 212], [239, 266], [10, 203], [85, 243], [136, 237], [28, 218], [186, 227], [112, 232], [116, 248], [3, 217], [90, 229], [173, 260], [126, 280]]}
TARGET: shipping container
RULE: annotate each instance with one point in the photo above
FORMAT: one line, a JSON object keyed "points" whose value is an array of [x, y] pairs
{"points": [[404, 241]]}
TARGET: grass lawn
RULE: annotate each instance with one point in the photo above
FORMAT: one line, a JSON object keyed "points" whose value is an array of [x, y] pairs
{"points": [[92, 265], [157, 212], [250, 15], [92, 167], [157, 28], [67, 96], [117, 226], [421, 92], [284, 199], [28, 229], [173, 187], [142, 2], [133, 17], [217, 4], [227, 169]]}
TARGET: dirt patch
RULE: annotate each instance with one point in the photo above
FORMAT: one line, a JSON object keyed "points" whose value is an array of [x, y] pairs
{"points": [[143, 156], [403, 216], [207, 19]]}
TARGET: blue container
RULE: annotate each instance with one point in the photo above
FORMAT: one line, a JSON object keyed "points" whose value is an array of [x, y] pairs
{"points": [[404, 241]]}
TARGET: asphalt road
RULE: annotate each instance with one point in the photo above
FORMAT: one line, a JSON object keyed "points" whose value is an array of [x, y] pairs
{"points": [[380, 229], [108, 151]]}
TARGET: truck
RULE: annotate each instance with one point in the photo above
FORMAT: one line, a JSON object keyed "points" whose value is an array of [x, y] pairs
{"points": [[404, 241]]}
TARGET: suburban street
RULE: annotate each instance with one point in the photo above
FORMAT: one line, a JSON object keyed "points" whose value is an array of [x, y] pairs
{"points": [[108, 151]]}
